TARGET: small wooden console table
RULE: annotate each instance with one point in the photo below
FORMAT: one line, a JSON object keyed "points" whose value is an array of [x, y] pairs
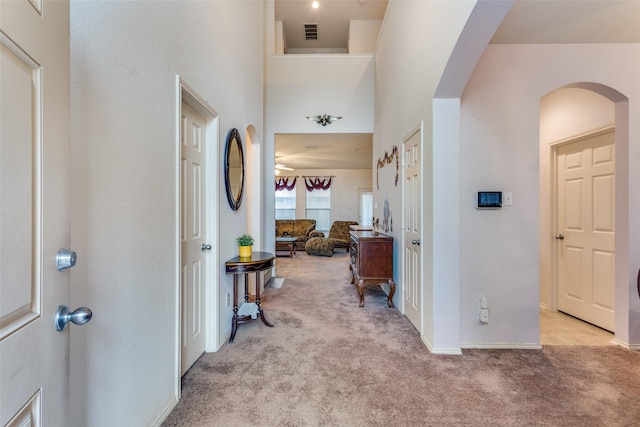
{"points": [[287, 244], [258, 261]]}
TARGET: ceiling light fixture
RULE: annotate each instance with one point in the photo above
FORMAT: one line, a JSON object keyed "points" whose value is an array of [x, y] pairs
{"points": [[315, 4], [324, 119]]}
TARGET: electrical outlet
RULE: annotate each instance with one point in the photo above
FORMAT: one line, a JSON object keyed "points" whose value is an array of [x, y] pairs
{"points": [[228, 299], [507, 198], [484, 316]]}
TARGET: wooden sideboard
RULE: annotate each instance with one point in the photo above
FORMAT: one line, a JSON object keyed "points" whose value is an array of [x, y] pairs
{"points": [[371, 261], [360, 227]]}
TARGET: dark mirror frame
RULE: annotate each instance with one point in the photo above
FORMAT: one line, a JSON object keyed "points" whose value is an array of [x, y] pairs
{"points": [[233, 143]]}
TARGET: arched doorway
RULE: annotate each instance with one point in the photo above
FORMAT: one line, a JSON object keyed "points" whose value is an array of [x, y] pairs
{"points": [[575, 279]]}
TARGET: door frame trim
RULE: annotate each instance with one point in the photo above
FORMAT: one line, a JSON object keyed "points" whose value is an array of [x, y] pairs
{"points": [[184, 93]]}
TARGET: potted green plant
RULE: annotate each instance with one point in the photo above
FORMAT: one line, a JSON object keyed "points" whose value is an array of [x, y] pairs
{"points": [[245, 243]]}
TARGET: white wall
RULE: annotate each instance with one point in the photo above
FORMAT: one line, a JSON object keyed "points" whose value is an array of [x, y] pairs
{"points": [[281, 42], [298, 86], [363, 36], [125, 58], [415, 44], [570, 112], [500, 149]]}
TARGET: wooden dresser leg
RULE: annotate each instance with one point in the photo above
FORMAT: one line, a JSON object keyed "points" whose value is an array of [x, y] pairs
{"points": [[392, 291]]}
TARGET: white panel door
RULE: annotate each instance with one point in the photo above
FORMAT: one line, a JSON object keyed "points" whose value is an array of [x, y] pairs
{"points": [[586, 229], [193, 236], [411, 222], [34, 211]]}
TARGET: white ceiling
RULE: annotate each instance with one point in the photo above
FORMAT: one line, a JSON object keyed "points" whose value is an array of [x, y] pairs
{"points": [[528, 21], [570, 21], [332, 17], [324, 151]]}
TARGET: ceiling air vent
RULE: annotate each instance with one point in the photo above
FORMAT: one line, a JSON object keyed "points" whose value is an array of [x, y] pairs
{"points": [[310, 31]]}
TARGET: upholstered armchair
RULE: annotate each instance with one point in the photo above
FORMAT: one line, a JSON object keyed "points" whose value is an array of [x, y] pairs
{"points": [[339, 233]]}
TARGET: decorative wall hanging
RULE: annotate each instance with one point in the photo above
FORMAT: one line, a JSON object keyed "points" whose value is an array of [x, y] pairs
{"points": [[284, 183], [385, 161], [387, 220], [315, 183]]}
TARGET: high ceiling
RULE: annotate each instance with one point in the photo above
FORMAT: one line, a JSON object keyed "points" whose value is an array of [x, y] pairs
{"points": [[528, 21], [332, 17], [324, 151], [570, 21]]}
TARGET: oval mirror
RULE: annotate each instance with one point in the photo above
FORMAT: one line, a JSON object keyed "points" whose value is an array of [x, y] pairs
{"points": [[234, 168]]}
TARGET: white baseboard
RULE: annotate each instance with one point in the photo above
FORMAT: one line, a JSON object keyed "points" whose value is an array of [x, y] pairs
{"points": [[163, 416], [453, 351], [626, 345], [503, 346]]}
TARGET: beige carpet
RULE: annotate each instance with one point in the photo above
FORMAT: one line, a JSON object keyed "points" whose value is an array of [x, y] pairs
{"points": [[328, 362]]}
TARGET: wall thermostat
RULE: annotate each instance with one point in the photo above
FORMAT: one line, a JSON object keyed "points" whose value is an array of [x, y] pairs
{"points": [[489, 200]]}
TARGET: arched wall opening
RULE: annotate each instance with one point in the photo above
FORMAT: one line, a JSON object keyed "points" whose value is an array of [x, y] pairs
{"points": [[567, 114], [253, 174]]}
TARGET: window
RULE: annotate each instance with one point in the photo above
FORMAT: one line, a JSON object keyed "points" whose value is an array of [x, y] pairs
{"points": [[286, 204], [319, 208]]}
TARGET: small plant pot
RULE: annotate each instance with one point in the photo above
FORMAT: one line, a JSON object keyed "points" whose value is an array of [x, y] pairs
{"points": [[245, 251]]}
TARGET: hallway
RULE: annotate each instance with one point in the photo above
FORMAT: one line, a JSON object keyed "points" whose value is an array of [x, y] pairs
{"points": [[332, 363]]}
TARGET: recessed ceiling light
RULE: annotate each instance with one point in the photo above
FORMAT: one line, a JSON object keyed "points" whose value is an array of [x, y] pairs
{"points": [[315, 4]]}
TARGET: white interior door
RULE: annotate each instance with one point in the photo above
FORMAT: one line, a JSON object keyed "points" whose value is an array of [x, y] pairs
{"points": [[586, 229], [194, 233], [411, 219], [34, 207]]}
